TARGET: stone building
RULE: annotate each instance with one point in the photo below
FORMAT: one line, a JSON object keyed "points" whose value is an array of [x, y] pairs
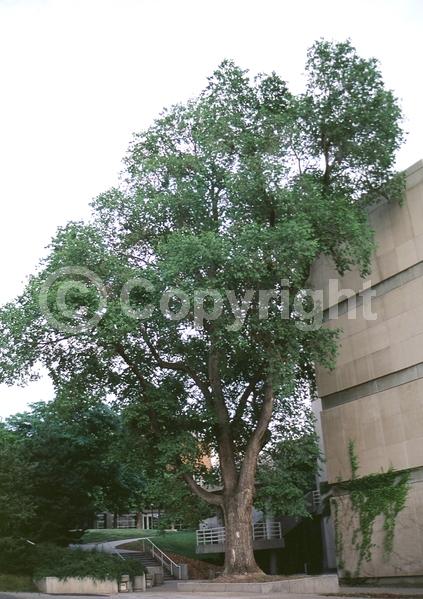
{"points": [[374, 396]]}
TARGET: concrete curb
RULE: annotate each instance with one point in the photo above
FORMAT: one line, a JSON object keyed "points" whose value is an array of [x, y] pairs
{"points": [[326, 583]]}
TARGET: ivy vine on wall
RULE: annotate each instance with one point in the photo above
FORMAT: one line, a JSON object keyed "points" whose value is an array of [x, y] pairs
{"points": [[383, 494]]}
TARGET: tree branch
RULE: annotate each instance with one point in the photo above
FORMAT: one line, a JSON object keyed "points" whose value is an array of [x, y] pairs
{"points": [[122, 353], [224, 432], [239, 412], [145, 385], [254, 445], [212, 498], [178, 367]]}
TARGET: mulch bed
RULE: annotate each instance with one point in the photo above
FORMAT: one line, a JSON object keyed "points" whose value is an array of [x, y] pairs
{"points": [[197, 569]]}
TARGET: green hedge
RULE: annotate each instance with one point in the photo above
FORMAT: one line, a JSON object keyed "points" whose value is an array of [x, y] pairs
{"points": [[17, 584], [16, 556], [19, 557]]}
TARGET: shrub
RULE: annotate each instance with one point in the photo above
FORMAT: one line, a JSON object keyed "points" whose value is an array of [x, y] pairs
{"points": [[16, 584], [66, 563], [16, 556], [19, 557]]}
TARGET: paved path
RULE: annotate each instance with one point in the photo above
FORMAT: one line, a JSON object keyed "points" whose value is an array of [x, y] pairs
{"points": [[109, 546], [169, 591], [163, 592], [403, 591]]}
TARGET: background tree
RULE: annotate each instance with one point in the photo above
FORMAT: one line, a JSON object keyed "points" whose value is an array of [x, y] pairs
{"points": [[288, 467], [155, 455], [16, 506], [236, 191], [59, 468]]}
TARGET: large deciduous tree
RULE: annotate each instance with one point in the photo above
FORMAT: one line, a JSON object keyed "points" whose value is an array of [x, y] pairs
{"points": [[231, 194]]}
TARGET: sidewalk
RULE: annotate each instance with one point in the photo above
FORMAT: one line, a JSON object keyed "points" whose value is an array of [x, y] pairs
{"points": [[108, 546], [169, 591], [392, 591]]}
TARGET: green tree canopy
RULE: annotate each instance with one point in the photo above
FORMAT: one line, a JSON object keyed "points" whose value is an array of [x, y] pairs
{"points": [[232, 193]]}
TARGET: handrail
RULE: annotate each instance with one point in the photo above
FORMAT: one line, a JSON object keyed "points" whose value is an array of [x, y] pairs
{"points": [[211, 536], [265, 531], [165, 560]]}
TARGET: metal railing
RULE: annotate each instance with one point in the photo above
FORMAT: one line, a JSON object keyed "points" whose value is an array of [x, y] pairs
{"points": [[316, 499], [262, 531], [179, 571], [267, 530], [211, 536]]}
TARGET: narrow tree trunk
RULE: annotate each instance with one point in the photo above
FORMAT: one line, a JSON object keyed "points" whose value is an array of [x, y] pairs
{"points": [[239, 554]]}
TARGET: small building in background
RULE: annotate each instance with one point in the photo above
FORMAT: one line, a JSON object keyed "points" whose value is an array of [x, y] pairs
{"points": [[145, 520]]}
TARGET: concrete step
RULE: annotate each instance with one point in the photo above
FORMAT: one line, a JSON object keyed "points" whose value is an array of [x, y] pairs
{"points": [[147, 560]]}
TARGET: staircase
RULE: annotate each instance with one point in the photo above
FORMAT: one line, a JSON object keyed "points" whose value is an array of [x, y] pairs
{"points": [[147, 560]]}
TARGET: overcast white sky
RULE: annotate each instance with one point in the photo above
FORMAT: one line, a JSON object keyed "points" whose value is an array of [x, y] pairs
{"points": [[78, 77]]}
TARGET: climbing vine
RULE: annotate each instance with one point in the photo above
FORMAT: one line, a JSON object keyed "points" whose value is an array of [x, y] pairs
{"points": [[383, 494], [339, 542]]}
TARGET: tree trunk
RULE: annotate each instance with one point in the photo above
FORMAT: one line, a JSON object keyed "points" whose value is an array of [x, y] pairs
{"points": [[238, 516], [236, 501]]}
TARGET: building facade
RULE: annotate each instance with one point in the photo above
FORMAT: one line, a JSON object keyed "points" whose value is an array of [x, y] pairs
{"points": [[374, 397], [145, 520]]}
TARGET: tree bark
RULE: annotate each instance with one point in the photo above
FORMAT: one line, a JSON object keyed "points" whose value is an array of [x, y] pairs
{"points": [[238, 505], [238, 516]]}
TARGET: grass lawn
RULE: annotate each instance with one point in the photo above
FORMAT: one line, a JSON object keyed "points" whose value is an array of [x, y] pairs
{"points": [[182, 543], [177, 542], [16, 584], [101, 535]]}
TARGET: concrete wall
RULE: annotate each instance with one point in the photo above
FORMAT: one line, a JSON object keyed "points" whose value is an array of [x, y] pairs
{"points": [[399, 234], [76, 586], [387, 429], [406, 559], [375, 394]]}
